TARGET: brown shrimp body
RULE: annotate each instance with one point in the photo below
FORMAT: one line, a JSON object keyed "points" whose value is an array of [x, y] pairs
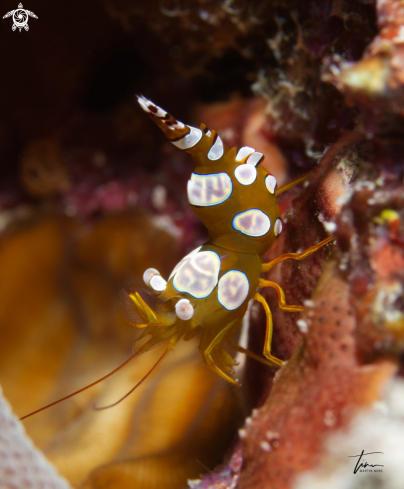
{"points": [[209, 290], [221, 284], [234, 198]]}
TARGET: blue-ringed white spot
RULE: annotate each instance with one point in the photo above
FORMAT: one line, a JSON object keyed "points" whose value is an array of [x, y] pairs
{"points": [[252, 223], [233, 289], [208, 190], [198, 275]]}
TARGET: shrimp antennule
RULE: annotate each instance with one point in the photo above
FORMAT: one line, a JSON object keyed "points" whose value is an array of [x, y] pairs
{"points": [[136, 386], [83, 388]]}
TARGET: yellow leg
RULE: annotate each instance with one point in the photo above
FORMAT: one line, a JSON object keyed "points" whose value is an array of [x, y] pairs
{"points": [[295, 256], [250, 354], [293, 183], [209, 342], [281, 296], [269, 328]]}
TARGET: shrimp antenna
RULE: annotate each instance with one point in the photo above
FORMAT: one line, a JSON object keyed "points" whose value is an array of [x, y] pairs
{"points": [[85, 388], [294, 182], [136, 386]]}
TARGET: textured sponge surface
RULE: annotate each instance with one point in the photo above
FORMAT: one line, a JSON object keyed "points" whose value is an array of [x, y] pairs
{"points": [[22, 465]]}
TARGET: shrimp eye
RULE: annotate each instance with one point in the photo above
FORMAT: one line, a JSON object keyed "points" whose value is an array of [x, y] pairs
{"points": [[149, 274], [153, 279], [184, 309]]}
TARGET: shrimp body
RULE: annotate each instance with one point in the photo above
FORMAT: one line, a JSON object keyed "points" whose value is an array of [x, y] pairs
{"points": [[209, 290]]}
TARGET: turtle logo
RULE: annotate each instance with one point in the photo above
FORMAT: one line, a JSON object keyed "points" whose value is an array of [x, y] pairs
{"points": [[20, 17]]}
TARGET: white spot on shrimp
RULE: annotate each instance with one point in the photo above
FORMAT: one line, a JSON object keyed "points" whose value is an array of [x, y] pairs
{"points": [[217, 150], [233, 289], [255, 158], [193, 252], [245, 174], [198, 275], [252, 222], [270, 183], [243, 153], [210, 189], [278, 227], [189, 140]]}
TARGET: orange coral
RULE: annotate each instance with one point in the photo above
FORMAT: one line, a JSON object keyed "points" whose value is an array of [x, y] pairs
{"points": [[316, 393]]}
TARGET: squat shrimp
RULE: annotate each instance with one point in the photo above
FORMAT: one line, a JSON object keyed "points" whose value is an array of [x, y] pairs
{"points": [[208, 292]]}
